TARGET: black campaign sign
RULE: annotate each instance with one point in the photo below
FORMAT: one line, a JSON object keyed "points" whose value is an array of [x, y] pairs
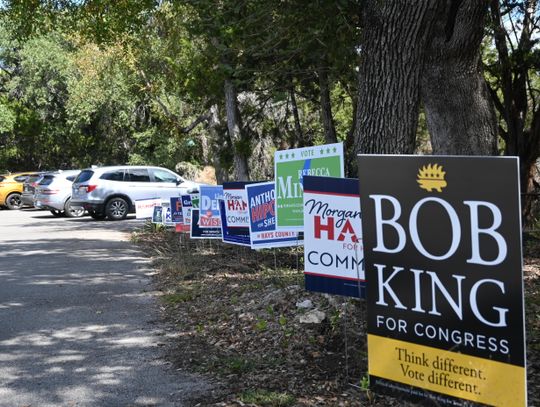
{"points": [[442, 247]]}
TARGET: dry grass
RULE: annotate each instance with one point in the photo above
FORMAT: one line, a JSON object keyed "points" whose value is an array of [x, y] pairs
{"points": [[236, 319]]}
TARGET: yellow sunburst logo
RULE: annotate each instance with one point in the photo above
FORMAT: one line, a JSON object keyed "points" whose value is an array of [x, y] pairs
{"points": [[431, 177]]}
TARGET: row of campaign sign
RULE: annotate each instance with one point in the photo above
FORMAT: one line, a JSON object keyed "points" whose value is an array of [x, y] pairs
{"points": [[222, 212], [244, 214], [432, 242]]}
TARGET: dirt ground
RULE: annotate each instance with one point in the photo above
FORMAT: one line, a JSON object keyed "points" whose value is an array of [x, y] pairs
{"points": [[243, 318]]}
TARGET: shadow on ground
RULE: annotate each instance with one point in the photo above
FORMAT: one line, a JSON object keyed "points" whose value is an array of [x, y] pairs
{"points": [[79, 323]]}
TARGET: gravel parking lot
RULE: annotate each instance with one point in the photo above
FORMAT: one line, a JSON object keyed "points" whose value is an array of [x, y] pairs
{"points": [[79, 322]]}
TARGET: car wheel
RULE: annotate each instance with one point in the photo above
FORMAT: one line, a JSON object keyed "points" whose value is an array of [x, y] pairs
{"points": [[116, 209], [14, 201], [56, 213], [96, 215], [73, 211]]}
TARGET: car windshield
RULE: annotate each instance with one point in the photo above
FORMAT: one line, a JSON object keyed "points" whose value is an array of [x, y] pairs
{"points": [[84, 176], [164, 176]]}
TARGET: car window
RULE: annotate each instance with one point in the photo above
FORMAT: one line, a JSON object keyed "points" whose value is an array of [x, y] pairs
{"points": [[71, 178], [2, 178], [20, 178], [46, 180], [137, 175], [84, 176], [163, 176], [117, 175], [33, 178]]}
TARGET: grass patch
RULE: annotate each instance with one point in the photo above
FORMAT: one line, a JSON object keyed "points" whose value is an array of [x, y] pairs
{"points": [[238, 365], [227, 365], [281, 276], [178, 298], [267, 398]]}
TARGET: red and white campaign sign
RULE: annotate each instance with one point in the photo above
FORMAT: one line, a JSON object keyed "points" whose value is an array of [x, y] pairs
{"points": [[144, 208], [333, 248], [236, 207]]}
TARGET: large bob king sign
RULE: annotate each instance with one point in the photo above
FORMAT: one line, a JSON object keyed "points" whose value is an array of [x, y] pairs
{"points": [[442, 250]]}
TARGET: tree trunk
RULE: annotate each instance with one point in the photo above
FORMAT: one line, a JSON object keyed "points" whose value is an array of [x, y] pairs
{"points": [[514, 97], [530, 140], [512, 115], [350, 153], [206, 138], [326, 106], [240, 148], [217, 143], [394, 40], [299, 142], [459, 111]]}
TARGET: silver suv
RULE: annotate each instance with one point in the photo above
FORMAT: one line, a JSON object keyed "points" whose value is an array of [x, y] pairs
{"points": [[111, 192], [53, 192]]}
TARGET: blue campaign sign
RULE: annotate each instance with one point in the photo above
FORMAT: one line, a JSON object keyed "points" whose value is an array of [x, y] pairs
{"points": [[238, 236], [167, 220], [209, 215], [157, 216], [333, 245], [186, 204], [186, 200], [261, 199], [176, 210], [202, 233], [235, 213]]}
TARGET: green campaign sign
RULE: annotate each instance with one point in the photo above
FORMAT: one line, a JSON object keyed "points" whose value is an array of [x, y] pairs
{"points": [[290, 168]]}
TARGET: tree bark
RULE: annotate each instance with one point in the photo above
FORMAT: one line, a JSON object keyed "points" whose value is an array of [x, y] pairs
{"points": [[240, 159], [326, 106], [427, 49], [459, 111], [394, 40]]}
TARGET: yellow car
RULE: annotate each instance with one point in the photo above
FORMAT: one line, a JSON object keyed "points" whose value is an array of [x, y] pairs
{"points": [[11, 187]]}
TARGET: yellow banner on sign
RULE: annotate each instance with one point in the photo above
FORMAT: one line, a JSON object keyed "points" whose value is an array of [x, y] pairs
{"points": [[454, 374]]}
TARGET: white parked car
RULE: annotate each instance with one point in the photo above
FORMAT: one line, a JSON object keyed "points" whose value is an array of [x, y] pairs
{"points": [[111, 192], [53, 192]]}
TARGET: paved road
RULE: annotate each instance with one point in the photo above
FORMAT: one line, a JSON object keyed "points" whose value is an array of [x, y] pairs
{"points": [[78, 321]]}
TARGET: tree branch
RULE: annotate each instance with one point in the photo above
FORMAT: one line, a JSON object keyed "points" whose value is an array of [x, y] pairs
{"points": [[496, 101], [202, 118]]}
